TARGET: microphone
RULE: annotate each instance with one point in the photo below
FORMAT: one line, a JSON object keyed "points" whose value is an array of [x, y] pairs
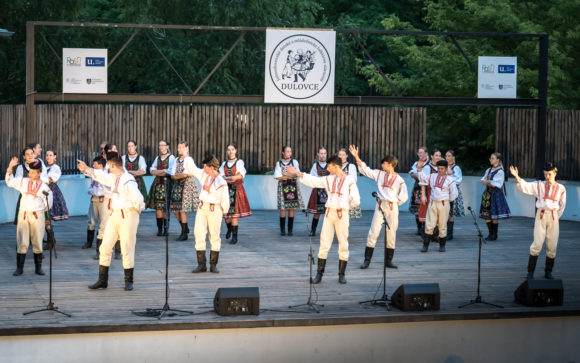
{"points": [[45, 192], [374, 194], [469, 208]]}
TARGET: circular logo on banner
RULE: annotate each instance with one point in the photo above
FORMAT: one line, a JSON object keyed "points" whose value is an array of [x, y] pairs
{"points": [[300, 66]]}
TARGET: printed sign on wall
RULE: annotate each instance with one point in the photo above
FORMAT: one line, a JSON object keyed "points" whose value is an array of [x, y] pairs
{"points": [[497, 77], [84, 70], [299, 66]]}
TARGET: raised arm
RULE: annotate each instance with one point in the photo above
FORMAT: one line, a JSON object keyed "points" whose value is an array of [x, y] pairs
{"points": [[190, 168], [307, 179]]}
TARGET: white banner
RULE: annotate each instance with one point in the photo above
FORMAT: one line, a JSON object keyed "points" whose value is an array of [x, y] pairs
{"points": [[497, 77], [299, 66], [84, 70]]}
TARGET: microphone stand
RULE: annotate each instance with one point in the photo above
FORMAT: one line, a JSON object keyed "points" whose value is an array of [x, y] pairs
{"points": [[312, 305], [478, 299], [384, 300], [165, 310], [52, 246]]}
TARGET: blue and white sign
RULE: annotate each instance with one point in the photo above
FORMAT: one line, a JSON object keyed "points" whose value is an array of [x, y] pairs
{"points": [[497, 77], [299, 66], [84, 70]]}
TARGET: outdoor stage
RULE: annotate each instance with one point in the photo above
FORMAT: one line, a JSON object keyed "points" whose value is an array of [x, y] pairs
{"points": [[278, 266]]}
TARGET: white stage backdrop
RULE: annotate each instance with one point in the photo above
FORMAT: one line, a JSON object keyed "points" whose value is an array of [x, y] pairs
{"points": [[84, 70], [497, 77], [299, 66]]}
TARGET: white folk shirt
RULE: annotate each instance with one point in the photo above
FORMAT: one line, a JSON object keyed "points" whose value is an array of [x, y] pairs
{"points": [[169, 168], [279, 171], [142, 163], [240, 167], [19, 173], [350, 169], [213, 189], [342, 191], [187, 163], [457, 174], [498, 178], [391, 187], [54, 173], [425, 170], [442, 187], [96, 189], [124, 189], [33, 200], [549, 197]]}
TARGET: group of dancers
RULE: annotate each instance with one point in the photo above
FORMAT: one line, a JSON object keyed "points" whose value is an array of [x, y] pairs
{"points": [[118, 196]]}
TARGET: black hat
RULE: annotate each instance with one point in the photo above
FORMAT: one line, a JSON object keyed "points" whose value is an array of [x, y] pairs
{"points": [[35, 165], [442, 163], [112, 154], [549, 166]]}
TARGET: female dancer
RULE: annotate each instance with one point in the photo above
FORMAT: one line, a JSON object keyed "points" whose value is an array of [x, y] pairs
{"points": [[135, 165], [318, 196], [185, 196], [415, 202], [59, 211], [493, 203], [456, 208], [350, 169], [289, 195], [233, 171], [161, 188]]}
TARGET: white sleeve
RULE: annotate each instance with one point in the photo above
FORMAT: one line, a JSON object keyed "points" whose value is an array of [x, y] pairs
{"points": [[457, 174], [154, 165], [403, 194], [296, 164], [413, 168], [171, 163], [173, 168], [221, 169], [45, 188], [453, 193], [106, 179], [44, 174], [224, 197], [13, 182], [313, 181], [313, 171], [528, 188], [55, 173], [562, 202], [368, 172], [190, 168], [354, 196], [277, 171], [135, 196], [352, 171], [485, 174], [19, 173], [423, 179], [241, 168], [498, 179], [142, 164]]}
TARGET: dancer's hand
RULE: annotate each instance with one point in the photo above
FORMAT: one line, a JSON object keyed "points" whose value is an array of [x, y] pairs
{"points": [[13, 163], [81, 166], [354, 151]]}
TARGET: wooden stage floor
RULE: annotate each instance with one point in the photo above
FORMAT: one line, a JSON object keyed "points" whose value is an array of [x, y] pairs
{"points": [[278, 266]]}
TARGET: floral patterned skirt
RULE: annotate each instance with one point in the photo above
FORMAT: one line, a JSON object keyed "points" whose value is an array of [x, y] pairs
{"points": [[59, 211], [289, 195], [185, 196]]}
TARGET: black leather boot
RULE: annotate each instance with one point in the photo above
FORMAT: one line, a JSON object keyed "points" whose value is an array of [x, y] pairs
{"points": [[165, 227], [184, 231], [450, 231], [426, 240], [98, 255], [418, 226], [213, 260], [20, 258], [229, 232], [390, 254], [314, 225], [489, 231], [90, 237], [319, 271], [548, 268], [282, 226], [368, 255], [160, 226], [532, 260], [341, 270], [290, 225], [201, 262], [103, 280], [118, 250], [442, 241], [494, 230], [234, 239], [128, 279], [38, 264]]}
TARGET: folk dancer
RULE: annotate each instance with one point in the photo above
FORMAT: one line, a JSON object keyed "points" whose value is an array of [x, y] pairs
{"points": [[233, 171], [135, 165], [32, 216], [126, 204], [415, 202], [185, 195], [28, 156], [318, 196], [161, 187], [289, 194], [428, 169], [443, 191], [456, 209], [392, 192], [343, 195], [96, 208], [215, 201], [59, 211], [493, 203], [550, 204], [350, 169]]}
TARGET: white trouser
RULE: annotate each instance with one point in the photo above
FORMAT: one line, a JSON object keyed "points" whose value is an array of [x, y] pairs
{"points": [[30, 228], [546, 227], [95, 213], [121, 225], [105, 214], [335, 220], [391, 210], [208, 219], [437, 215]]}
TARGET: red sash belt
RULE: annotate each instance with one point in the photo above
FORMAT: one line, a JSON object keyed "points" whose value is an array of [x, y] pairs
{"points": [[33, 213]]}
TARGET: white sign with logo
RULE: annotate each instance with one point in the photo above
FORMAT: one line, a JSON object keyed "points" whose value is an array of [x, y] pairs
{"points": [[299, 66], [84, 70], [497, 77]]}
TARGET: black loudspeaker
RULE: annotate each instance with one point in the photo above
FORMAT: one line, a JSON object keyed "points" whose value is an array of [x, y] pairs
{"points": [[237, 301], [416, 297], [540, 293]]}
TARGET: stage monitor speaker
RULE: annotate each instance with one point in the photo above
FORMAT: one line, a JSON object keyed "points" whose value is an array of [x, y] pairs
{"points": [[237, 301], [416, 297], [540, 293]]}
